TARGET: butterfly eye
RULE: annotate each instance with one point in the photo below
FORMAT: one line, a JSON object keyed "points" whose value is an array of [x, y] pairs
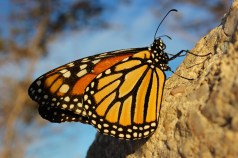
{"points": [[163, 46]]}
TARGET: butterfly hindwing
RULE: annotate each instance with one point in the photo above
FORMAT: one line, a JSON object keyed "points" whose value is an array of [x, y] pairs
{"points": [[124, 100]]}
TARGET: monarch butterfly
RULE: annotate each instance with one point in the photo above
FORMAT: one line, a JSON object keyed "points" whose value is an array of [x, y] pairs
{"points": [[118, 92]]}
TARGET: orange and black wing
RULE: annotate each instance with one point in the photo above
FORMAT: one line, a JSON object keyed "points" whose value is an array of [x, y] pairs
{"points": [[119, 93], [124, 101], [59, 92]]}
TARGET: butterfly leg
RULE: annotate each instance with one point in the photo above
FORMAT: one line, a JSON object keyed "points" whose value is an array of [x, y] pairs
{"points": [[179, 54], [186, 51]]}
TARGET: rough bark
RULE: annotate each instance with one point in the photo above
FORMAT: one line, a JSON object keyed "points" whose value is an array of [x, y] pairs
{"points": [[198, 118]]}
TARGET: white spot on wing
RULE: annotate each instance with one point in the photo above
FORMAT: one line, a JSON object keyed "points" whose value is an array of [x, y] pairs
{"points": [[99, 126], [108, 71], [146, 133], [105, 125], [71, 64], [84, 59], [92, 84], [81, 73], [38, 83], [93, 121], [63, 71], [64, 106], [95, 61], [80, 105], [64, 88], [67, 74], [76, 100], [146, 127], [71, 106], [153, 124], [135, 134], [85, 97], [121, 135], [78, 111], [105, 130], [83, 66], [67, 99]]}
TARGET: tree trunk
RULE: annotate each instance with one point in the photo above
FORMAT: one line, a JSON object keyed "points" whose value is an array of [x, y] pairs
{"points": [[198, 118]]}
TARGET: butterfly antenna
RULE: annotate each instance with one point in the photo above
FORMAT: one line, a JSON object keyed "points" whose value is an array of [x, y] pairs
{"points": [[166, 36], [163, 20]]}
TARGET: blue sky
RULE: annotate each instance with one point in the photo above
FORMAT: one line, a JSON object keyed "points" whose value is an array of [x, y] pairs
{"points": [[134, 26]]}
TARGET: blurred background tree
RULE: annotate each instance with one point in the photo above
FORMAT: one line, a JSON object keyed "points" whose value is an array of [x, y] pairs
{"points": [[28, 27]]}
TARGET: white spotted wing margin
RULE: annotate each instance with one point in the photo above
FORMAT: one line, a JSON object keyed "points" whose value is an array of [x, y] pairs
{"points": [[124, 101]]}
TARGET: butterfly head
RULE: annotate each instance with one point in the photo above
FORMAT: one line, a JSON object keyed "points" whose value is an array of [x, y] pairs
{"points": [[158, 45], [160, 57]]}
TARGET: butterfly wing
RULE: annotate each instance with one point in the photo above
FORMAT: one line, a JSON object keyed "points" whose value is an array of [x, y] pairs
{"points": [[117, 92], [124, 101], [60, 91]]}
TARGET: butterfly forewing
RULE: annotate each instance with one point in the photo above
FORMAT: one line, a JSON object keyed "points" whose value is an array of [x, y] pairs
{"points": [[60, 91]]}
